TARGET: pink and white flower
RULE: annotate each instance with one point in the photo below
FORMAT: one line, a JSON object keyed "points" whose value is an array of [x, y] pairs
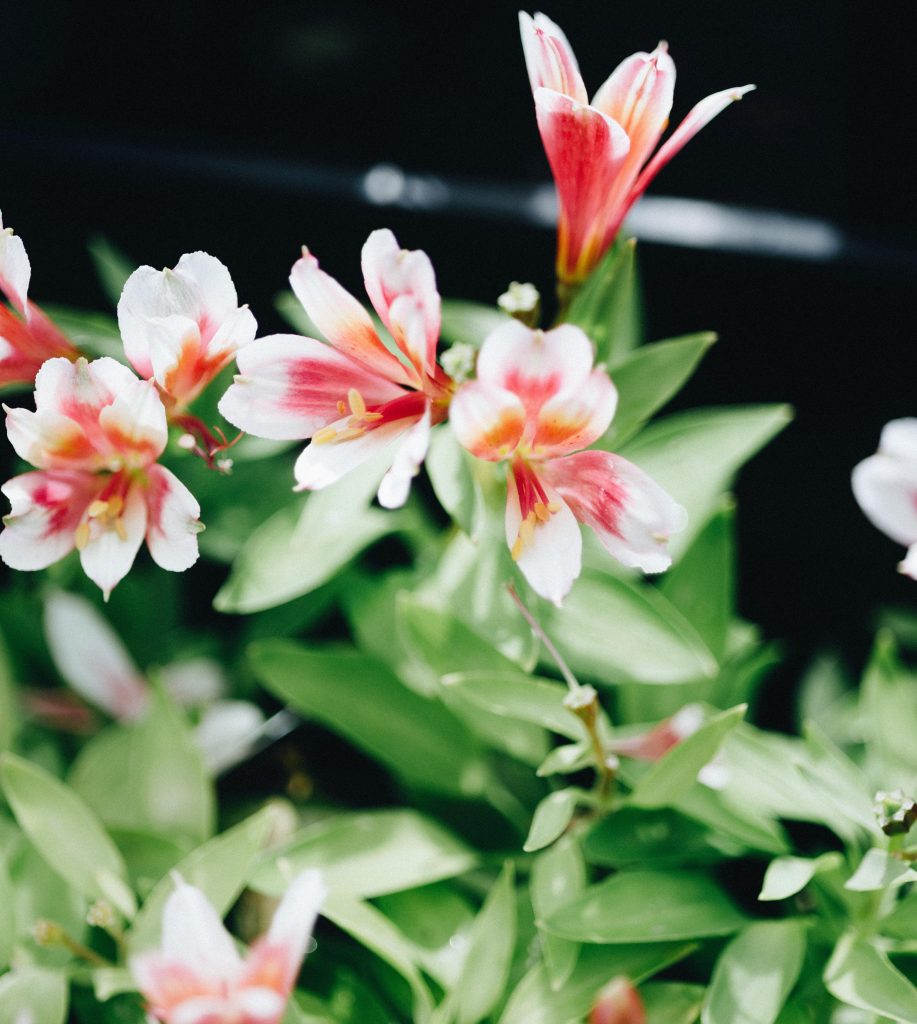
{"points": [[198, 977], [885, 486], [536, 402], [353, 397], [27, 336], [601, 152], [183, 326], [94, 438]]}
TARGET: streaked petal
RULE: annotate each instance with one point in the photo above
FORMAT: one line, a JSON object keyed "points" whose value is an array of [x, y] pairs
{"points": [[343, 321], [47, 508], [631, 514], [409, 456], [15, 269], [574, 419], [51, 441], [288, 387], [171, 984], [113, 543], [487, 420], [91, 657], [173, 520], [549, 58], [134, 425], [192, 932]]}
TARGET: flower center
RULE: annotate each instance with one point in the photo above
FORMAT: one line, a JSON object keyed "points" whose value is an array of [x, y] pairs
{"points": [[355, 425], [108, 514]]}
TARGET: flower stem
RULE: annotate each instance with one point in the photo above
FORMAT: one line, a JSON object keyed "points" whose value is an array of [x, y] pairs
{"points": [[535, 626]]}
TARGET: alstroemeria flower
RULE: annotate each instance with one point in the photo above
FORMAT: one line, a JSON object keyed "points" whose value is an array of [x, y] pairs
{"points": [[183, 326], [536, 402], [618, 1003], [197, 975], [27, 336], [94, 438], [658, 741], [353, 397], [601, 152], [885, 485]]}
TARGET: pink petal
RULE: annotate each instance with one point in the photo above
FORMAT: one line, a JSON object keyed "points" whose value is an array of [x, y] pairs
{"points": [[134, 425], [487, 420], [343, 321], [173, 521], [173, 987], [288, 387], [51, 441], [112, 544], [259, 1006], [574, 419], [549, 58], [15, 269], [631, 514], [618, 1003], [409, 456], [402, 287]]}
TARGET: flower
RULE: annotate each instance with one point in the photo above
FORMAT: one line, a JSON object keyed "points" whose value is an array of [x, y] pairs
{"points": [[198, 977], [600, 152], [885, 486], [618, 1003], [354, 397], [94, 437], [27, 336], [536, 402], [183, 326]]}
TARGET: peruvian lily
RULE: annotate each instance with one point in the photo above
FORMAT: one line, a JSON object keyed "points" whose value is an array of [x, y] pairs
{"points": [[27, 336], [183, 326], [354, 397], [198, 977], [536, 402], [94, 438], [618, 1003], [885, 485], [601, 152]]}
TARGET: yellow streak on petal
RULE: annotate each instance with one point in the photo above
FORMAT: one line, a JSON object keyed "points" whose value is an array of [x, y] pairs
{"points": [[81, 538]]}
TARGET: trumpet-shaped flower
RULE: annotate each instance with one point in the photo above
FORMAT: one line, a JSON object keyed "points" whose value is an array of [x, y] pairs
{"points": [[94, 438], [601, 152], [197, 975], [536, 402], [885, 486], [353, 397], [183, 326], [27, 336]]}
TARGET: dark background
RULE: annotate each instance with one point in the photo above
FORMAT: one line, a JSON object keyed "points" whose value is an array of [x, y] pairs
{"points": [[114, 113]]}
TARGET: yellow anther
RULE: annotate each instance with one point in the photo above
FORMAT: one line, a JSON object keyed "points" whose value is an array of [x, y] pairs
{"points": [[554, 506], [81, 538], [542, 512], [97, 508], [356, 403], [516, 549], [349, 433], [371, 417], [324, 435], [120, 529], [342, 408]]}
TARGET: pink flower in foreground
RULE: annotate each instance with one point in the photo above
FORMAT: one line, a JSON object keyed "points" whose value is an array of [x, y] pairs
{"points": [[198, 977], [183, 326], [658, 741], [885, 485], [600, 152], [353, 397], [27, 336], [94, 437], [536, 402], [618, 1003]]}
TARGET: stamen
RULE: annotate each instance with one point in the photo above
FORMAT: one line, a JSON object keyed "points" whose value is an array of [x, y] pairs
{"points": [[542, 512], [81, 538], [349, 433], [120, 529], [371, 417], [342, 408], [357, 405], [324, 435], [97, 508]]}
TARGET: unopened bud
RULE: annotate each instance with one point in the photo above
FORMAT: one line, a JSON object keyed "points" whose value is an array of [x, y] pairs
{"points": [[47, 933], [458, 361], [522, 302], [224, 466], [102, 915], [618, 1003], [895, 812], [584, 703], [187, 441]]}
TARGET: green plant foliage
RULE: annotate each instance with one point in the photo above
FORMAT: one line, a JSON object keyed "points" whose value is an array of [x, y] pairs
{"points": [[32, 993], [861, 975], [558, 878], [469, 322]]}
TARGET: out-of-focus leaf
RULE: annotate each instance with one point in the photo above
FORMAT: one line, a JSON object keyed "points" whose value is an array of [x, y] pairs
{"points": [[148, 775], [671, 1002], [755, 974], [148, 856], [369, 854], [887, 714], [449, 467], [469, 322], [112, 266], [879, 870], [647, 378], [7, 917], [669, 778], [787, 876], [901, 923], [647, 906], [112, 981], [567, 758], [8, 714], [306, 1009], [861, 975], [95, 334], [535, 1002], [66, 832], [695, 455], [33, 994], [614, 631], [726, 814], [558, 877], [552, 816], [839, 780], [359, 698]]}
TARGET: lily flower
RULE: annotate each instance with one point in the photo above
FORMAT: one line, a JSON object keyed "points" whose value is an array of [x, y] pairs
{"points": [[183, 326], [618, 1003], [353, 397], [885, 486], [27, 336], [601, 152], [535, 403], [198, 977], [94, 439]]}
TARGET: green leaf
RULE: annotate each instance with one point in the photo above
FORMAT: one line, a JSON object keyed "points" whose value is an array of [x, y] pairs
{"points": [[887, 716], [450, 469], [358, 697], [671, 1002], [469, 322], [614, 631], [558, 877], [755, 973], [94, 334], [7, 917], [669, 778], [552, 816], [879, 870], [112, 267], [33, 994], [727, 814], [786, 876], [368, 854], [112, 981], [647, 378], [567, 758], [861, 975], [901, 923], [219, 868], [647, 906], [66, 833], [148, 776], [9, 717], [695, 455], [535, 1002]]}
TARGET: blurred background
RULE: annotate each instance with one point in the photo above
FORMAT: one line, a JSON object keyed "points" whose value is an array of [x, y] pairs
{"points": [[174, 127]]}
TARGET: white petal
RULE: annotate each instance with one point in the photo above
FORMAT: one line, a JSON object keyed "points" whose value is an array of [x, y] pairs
{"points": [[322, 464], [259, 1005], [885, 484], [15, 270], [108, 556], [411, 451], [46, 510], [194, 682], [192, 931], [225, 733], [908, 566], [174, 521]]}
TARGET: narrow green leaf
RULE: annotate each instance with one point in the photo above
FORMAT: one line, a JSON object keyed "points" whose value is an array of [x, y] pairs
{"points": [[901, 923], [112, 267], [33, 994], [786, 876], [66, 832], [7, 917], [469, 322], [567, 758], [861, 975], [647, 906], [552, 816], [558, 877], [671, 1002], [755, 973], [879, 870]]}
